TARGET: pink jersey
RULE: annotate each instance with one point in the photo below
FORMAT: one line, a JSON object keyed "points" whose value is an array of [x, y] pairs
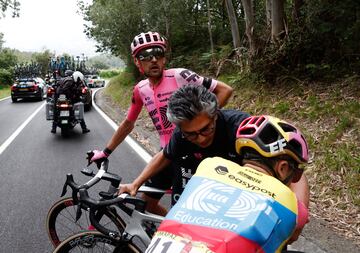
{"points": [[155, 98]]}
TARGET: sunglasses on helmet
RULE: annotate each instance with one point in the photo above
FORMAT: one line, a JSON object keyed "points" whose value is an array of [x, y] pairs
{"points": [[148, 54]]}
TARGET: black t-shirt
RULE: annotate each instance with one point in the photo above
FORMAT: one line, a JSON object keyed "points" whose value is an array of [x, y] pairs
{"points": [[186, 156]]}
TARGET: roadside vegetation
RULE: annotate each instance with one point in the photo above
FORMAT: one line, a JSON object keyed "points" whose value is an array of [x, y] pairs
{"points": [[4, 91], [109, 73]]}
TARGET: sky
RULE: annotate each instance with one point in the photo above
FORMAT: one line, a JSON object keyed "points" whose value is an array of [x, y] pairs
{"points": [[47, 24]]}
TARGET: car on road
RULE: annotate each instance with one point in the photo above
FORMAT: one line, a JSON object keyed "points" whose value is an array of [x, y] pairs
{"points": [[94, 81], [32, 87], [87, 97]]}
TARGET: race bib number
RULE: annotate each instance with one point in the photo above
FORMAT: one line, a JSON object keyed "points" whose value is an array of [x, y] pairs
{"points": [[167, 243]]}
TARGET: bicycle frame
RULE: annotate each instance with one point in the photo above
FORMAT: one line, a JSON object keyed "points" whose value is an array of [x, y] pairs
{"points": [[136, 215], [134, 225]]}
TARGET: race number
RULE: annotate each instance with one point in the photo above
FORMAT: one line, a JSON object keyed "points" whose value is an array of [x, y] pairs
{"points": [[170, 245]]}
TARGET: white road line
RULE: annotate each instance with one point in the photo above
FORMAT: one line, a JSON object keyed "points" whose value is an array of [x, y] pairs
{"points": [[134, 145], [17, 131], [4, 98]]}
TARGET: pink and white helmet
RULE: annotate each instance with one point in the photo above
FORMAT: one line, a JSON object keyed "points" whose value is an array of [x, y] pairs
{"points": [[148, 39]]}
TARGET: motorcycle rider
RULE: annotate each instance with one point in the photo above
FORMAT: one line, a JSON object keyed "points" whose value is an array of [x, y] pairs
{"points": [[71, 85]]}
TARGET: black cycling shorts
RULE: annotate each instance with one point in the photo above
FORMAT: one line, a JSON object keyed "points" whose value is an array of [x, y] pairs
{"points": [[162, 180]]}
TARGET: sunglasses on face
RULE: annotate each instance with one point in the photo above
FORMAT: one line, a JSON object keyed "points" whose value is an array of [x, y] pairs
{"points": [[205, 131], [149, 53]]}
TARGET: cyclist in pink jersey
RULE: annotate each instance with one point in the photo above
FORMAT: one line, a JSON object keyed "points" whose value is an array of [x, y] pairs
{"points": [[148, 50]]}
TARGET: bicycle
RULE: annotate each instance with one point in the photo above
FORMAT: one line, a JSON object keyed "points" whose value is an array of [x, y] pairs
{"points": [[136, 236], [64, 217]]}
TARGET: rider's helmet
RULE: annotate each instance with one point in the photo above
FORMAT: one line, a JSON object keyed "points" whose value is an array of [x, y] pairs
{"points": [[78, 76], [148, 39], [271, 137], [68, 72]]}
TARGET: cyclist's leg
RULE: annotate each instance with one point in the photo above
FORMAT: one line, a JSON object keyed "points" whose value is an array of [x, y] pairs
{"points": [[94, 241], [61, 221], [162, 181]]}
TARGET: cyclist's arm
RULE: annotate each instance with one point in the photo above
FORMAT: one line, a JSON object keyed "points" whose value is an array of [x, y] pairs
{"points": [[156, 164], [223, 93], [221, 90], [127, 125], [301, 190]]}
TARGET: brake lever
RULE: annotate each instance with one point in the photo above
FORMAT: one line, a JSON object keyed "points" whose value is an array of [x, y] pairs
{"points": [[69, 178], [88, 171], [90, 155], [64, 190], [78, 212]]}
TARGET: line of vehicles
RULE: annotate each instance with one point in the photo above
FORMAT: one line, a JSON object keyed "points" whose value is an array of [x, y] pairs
{"points": [[36, 88], [62, 111]]}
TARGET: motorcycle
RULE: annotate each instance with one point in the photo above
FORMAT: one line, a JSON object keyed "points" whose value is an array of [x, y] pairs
{"points": [[65, 114]]}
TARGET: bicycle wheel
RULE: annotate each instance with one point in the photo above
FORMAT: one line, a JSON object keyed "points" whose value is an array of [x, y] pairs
{"points": [[94, 241], [60, 221]]}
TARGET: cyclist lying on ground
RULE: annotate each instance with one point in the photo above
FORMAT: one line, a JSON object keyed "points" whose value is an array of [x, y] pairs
{"points": [[202, 131], [148, 50], [226, 207]]}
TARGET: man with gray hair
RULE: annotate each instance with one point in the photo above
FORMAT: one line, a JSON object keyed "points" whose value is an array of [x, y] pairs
{"points": [[202, 131]]}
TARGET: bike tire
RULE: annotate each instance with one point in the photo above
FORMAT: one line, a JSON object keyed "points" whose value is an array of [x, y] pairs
{"points": [[60, 221], [94, 241]]}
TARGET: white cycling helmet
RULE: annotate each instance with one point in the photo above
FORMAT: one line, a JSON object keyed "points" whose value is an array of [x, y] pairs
{"points": [[77, 75], [148, 39]]}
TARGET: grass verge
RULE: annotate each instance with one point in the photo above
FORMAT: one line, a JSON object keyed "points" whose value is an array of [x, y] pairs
{"points": [[4, 91]]}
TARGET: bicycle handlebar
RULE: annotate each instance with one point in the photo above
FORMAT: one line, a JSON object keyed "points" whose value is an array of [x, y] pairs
{"points": [[101, 174]]}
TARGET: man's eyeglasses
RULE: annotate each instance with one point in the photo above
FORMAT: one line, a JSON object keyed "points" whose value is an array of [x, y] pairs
{"points": [[149, 53], [205, 131]]}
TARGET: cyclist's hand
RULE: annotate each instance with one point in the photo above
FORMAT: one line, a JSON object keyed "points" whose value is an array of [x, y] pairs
{"points": [[98, 157], [295, 235], [128, 188]]}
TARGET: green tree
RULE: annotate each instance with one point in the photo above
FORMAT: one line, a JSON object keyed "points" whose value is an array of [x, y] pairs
{"points": [[14, 5], [42, 59], [6, 76], [97, 64], [1, 40], [275, 37], [7, 62], [7, 59]]}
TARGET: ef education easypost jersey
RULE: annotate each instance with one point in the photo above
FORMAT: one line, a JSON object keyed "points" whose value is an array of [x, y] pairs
{"points": [[228, 208], [155, 98]]}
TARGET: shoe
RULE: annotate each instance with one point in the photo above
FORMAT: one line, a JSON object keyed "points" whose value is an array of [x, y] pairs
{"points": [[53, 131], [85, 130]]}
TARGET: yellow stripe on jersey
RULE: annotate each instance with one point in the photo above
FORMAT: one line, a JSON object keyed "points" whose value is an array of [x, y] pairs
{"points": [[246, 178]]}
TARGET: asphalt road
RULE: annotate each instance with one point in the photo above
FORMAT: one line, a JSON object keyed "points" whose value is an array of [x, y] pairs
{"points": [[33, 167]]}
